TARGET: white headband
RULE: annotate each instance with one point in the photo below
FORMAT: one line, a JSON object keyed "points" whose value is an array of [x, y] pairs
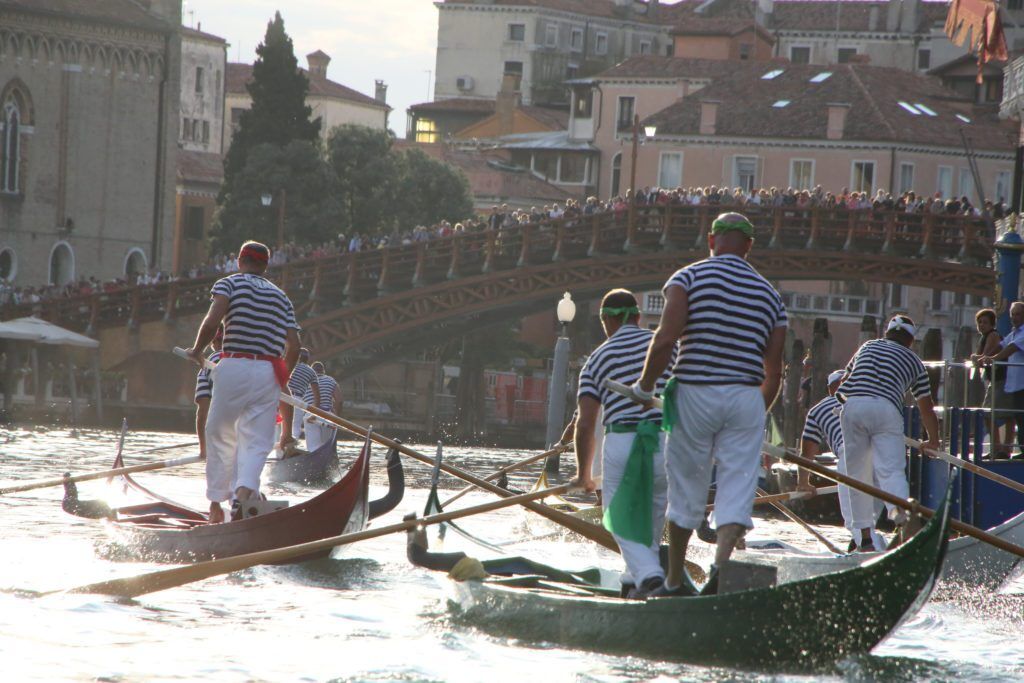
{"points": [[901, 323], [836, 376]]}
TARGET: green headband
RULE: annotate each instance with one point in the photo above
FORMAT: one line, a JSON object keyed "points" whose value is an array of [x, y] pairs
{"points": [[624, 311], [720, 226]]}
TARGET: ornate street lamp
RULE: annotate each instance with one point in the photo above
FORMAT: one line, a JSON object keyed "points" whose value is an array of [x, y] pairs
{"points": [[565, 311]]}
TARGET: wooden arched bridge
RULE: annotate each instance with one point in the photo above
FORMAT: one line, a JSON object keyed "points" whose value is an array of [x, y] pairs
{"points": [[362, 308]]}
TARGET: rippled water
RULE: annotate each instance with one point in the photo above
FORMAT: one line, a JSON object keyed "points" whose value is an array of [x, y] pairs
{"points": [[367, 616]]}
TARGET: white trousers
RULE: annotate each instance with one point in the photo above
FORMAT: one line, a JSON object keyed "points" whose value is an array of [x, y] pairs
{"points": [[317, 434], [715, 424], [297, 417], [240, 426], [642, 561], [873, 450]]}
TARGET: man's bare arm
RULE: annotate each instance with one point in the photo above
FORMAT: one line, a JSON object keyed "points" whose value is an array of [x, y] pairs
{"points": [[208, 328], [586, 421], [670, 329], [773, 366]]}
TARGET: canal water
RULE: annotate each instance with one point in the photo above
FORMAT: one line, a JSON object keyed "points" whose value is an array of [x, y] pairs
{"points": [[367, 615]]}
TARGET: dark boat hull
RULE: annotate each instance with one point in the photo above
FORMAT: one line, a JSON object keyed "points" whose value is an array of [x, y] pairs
{"points": [[310, 468], [180, 537], [796, 626]]}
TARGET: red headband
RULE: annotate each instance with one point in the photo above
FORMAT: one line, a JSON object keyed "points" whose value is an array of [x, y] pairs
{"points": [[254, 254]]}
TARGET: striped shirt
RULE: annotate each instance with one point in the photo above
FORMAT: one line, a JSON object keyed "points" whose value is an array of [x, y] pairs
{"points": [[882, 368], [259, 315], [822, 424], [204, 383], [327, 387], [302, 375], [732, 311], [620, 358]]}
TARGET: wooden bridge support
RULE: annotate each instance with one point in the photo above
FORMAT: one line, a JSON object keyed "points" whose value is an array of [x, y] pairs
{"points": [[791, 425]]}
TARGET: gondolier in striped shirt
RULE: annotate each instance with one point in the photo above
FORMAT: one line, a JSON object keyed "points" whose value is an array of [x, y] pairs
{"points": [[634, 488], [302, 378], [326, 393], [731, 326], [204, 391], [878, 376], [261, 345]]}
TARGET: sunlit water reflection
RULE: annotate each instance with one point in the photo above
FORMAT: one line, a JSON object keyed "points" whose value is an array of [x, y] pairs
{"points": [[367, 615]]}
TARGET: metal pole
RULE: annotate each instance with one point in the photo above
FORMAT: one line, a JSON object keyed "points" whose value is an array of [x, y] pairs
{"points": [[98, 387], [632, 181], [1008, 256], [556, 397], [280, 218]]}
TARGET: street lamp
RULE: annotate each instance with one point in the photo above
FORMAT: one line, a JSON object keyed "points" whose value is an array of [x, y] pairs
{"points": [[267, 199], [650, 132], [566, 311]]}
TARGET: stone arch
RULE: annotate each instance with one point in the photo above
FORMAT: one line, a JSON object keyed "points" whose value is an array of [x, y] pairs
{"points": [[101, 57], [8, 264], [615, 179], [135, 264], [116, 62], [60, 53], [86, 56], [131, 64], [62, 264], [158, 66], [16, 90], [72, 54]]}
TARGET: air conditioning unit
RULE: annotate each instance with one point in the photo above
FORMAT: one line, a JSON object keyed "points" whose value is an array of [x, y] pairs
{"points": [[464, 83]]}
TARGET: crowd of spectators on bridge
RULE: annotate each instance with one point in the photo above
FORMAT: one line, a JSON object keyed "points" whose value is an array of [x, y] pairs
{"points": [[503, 217]]}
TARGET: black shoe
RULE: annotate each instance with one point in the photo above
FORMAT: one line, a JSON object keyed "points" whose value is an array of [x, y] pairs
{"points": [[706, 533], [646, 588], [711, 587], [685, 590], [236, 510]]}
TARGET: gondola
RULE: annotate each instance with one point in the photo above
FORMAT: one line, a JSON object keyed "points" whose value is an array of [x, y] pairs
{"points": [[164, 531], [305, 468], [796, 626]]}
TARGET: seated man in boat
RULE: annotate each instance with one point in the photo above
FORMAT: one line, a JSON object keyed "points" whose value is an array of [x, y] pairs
{"points": [[204, 391], [261, 346], [634, 487], [325, 394], [302, 378], [878, 376], [731, 326]]}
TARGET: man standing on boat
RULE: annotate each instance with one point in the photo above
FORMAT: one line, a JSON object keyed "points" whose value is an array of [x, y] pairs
{"points": [[633, 487], [731, 325], [261, 345], [325, 394], [878, 376], [303, 377], [204, 391]]}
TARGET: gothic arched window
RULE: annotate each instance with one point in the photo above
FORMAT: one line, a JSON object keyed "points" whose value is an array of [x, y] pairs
{"points": [[15, 122]]}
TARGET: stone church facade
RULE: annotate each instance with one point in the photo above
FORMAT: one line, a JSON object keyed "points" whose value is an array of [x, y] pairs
{"points": [[89, 103]]}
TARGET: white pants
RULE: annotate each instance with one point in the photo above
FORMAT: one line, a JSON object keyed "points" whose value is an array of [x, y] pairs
{"points": [[715, 424], [240, 426], [873, 447], [317, 434], [297, 417], [642, 561], [597, 466]]}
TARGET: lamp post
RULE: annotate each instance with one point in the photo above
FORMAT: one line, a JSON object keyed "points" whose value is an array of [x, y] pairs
{"points": [[267, 199], [649, 131], [566, 311]]}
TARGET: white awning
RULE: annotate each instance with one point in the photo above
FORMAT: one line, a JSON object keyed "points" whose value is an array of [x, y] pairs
{"points": [[42, 332]]}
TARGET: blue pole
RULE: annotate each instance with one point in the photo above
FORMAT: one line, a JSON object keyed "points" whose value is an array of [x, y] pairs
{"points": [[1008, 255]]}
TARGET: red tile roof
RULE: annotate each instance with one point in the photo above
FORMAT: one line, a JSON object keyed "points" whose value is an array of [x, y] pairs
{"points": [[607, 9], [655, 66], [121, 12], [239, 75], [202, 35], [460, 104], [200, 166], [803, 15], [746, 108]]}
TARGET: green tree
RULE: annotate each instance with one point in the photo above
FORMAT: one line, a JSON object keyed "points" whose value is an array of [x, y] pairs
{"points": [[431, 191], [369, 174]]}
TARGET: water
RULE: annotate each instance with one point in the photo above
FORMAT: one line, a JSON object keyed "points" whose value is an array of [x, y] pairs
{"points": [[368, 615]]}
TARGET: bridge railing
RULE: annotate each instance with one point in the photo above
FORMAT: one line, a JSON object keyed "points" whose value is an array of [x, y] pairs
{"points": [[347, 278]]}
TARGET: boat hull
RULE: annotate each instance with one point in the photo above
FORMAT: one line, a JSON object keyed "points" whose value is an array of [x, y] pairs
{"points": [[310, 468]]}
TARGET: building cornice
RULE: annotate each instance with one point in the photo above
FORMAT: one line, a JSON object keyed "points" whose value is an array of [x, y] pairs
{"points": [[610, 22]]}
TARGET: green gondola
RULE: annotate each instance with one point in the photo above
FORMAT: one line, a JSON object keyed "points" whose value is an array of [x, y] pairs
{"points": [[803, 625]]}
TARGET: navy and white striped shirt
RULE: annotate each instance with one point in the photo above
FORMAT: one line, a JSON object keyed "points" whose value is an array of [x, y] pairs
{"points": [[204, 383], [302, 375], [822, 424], [259, 315], [885, 369], [327, 387], [620, 358], [732, 313]]}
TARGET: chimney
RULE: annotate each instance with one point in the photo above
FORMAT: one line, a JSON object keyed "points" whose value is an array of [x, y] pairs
{"points": [[653, 9], [763, 11], [892, 15], [873, 18], [909, 14], [837, 112], [508, 100], [708, 116], [380, 92], [318, 62]]}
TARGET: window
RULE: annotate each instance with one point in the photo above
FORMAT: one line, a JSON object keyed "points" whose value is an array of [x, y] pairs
{"points": [[801, 174], [822, 77], [800, 54], [645, 47], [944, 182], [236, 117], [625, 117], [863, 177], [938, 300], [551, 35], [206, 132], [774, 73], [845, 54], [8, 264], [924, 59], [545, 164], [925, 109], [670, 170], [426, 130], [11, 152], [517, 32], [779, 104], [514, 68], [576, 40], [571, 71], [906, 177], [1015, 4], [616, 174], [1002, 186], [896, 296], [600, 43], [584, 104], [744, 172], [909, 108], [194, 219], [573, 168], [966, 184], [993, 90], [745, 50], [199, 80]]}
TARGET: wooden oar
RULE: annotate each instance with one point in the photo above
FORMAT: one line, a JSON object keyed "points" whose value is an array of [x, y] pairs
{"points": [[132, 469], [912, 506], [595, 533], [793, 517], [142, 584], [509, 468], [966, 465], [769, 499]]}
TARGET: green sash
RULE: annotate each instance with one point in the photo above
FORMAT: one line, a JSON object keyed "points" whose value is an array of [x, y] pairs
{"points": [[628, 514], [668, 406]]}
